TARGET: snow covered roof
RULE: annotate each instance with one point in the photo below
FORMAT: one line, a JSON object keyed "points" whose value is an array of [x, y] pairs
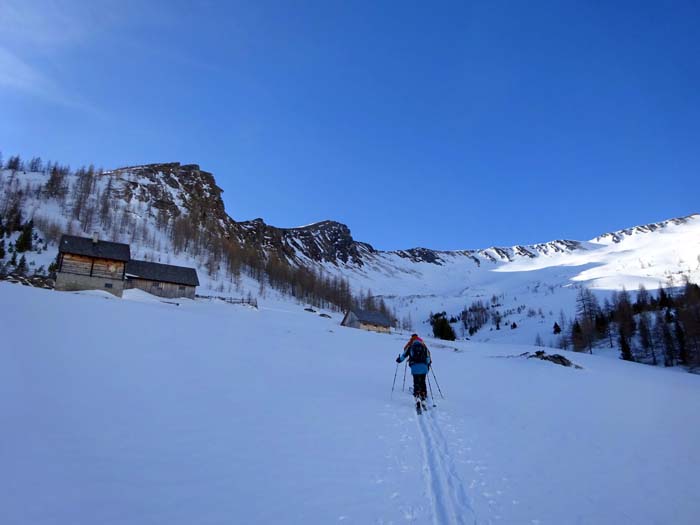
{"points": [[372, 317], [162, 272], [101, 249]]}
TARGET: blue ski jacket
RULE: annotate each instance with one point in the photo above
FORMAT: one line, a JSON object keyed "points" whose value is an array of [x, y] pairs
{"points": [[416, 368]]}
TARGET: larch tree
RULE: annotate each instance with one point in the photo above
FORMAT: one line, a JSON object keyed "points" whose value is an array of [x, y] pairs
{"points": [[586, 310], [664, 338], [646, 338]]}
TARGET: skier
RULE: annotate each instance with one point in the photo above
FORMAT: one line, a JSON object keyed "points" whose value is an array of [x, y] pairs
{"points": [[419, 361]]}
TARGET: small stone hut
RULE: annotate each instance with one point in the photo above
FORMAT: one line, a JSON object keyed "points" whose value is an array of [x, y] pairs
{"points": [[163, 280], [91, 264], [367, 320]]}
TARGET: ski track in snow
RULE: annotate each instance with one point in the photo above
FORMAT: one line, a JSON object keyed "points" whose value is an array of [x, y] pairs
{"points": [[449, 500]]}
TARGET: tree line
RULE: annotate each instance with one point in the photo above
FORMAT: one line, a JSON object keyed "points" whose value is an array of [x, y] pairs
{"points": [[87, 197], [653, 329], [13, 258]]}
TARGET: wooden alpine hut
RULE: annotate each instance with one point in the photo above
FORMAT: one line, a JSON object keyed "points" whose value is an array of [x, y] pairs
{"points": [[163, 280], [367, 320], [91, 264]]}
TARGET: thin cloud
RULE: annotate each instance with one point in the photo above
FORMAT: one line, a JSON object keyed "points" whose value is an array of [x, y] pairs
{"points": [[19, 76], [40, 32], [38, 36]]}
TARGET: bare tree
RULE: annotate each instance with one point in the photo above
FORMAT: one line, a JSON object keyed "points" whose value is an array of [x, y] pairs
{"points": [[35, 165], [105, 201], [587, 309]]}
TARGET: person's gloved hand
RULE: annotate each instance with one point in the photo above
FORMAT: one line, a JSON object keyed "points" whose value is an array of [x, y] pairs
{"points": [[398, 359]]}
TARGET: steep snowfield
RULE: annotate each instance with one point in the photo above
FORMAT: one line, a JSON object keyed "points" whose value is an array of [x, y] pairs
{"points": [[659, 254], [646, 255], [138, 411]]}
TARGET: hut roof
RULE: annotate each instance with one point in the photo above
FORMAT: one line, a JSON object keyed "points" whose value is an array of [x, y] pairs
{"points": [[372, 317], [166, 273], [101, 249]]}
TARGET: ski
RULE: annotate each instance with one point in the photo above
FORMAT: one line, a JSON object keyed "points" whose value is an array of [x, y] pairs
{"points": [[419, 411]]}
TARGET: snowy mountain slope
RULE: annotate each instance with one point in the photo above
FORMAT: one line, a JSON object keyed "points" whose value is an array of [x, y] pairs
{"points": [[160, 209], [145, 206], [211, 413], [540, 277], [669, 251]]}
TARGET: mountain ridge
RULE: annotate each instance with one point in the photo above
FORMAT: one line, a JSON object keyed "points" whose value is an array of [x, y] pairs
{"points": [[175, 190], [174, 213]]}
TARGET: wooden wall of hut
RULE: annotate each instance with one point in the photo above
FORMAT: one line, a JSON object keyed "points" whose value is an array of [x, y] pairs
{"points": [[168, 290], [82, 265]]}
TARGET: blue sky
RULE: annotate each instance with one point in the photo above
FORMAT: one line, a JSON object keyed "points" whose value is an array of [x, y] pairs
{"points": [[441, 124]]}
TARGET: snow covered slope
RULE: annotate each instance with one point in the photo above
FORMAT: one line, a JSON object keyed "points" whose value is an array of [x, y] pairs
{"points": [[137, 411], [539, 277], [174, 213]]}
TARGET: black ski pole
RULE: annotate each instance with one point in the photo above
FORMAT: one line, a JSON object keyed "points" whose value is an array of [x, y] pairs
{"points": [[394, 383], [403, 389], [430, 387], [436, 382]]}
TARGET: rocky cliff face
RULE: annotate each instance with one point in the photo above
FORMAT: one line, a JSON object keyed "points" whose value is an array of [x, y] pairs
{"points": [[323, 242], [185, 190], [174, 189]]}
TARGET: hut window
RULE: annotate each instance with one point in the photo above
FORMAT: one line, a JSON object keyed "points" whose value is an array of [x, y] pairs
{"points": [[181, 288], [108, 285]]}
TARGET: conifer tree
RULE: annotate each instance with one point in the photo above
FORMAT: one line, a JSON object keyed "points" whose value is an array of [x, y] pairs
{"points": [[602, 327], [663, 300], [681, 343], [664, 339], [642, 303], [22, 266], [625, 350], [53, 267], [577, 337], [441, 327], [14, 214], [24, 241], [646, 337], [625, 316]]}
